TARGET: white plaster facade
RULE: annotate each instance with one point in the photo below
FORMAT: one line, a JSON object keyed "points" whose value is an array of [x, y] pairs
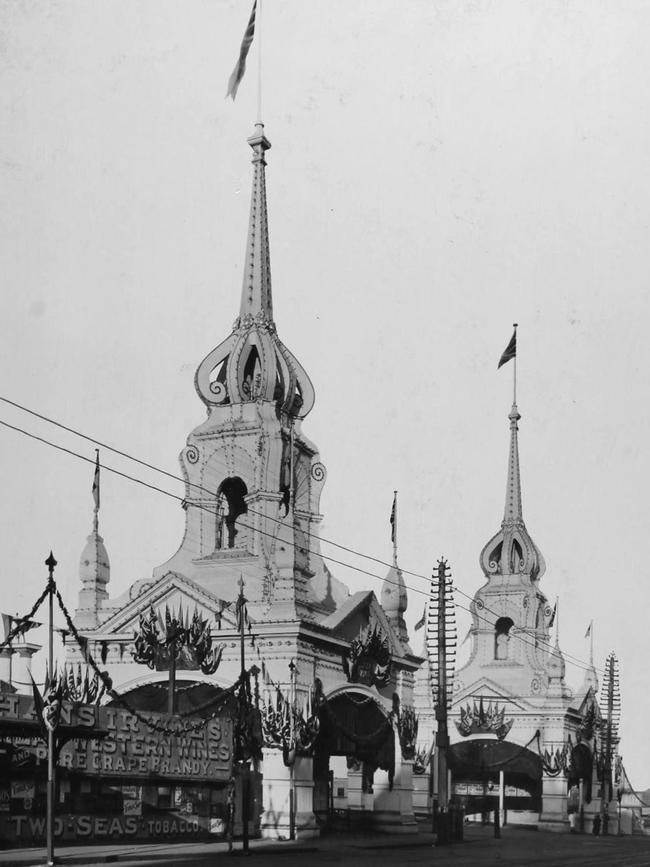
{"points": [[253, 484]]}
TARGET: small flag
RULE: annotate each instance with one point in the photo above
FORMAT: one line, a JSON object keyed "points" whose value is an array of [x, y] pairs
{"points": [[552, 620], [510, 351], [240, 66], [393, 520], [96, 482], [588, 632], [422, 619], [20, 624]]}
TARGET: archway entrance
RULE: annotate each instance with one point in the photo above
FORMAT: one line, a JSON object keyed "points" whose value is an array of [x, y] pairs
{"points": [[358, 730], [476, 767]]}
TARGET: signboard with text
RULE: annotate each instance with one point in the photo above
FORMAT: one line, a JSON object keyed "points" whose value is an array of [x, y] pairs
{"points": [[130, 749]]}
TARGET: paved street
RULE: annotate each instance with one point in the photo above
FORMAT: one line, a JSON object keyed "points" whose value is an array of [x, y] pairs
{"points": [[516, 847]]}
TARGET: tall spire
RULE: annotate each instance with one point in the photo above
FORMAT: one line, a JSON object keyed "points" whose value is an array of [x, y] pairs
{"points": [[94, 567], [394, 599], [256, 298], [513, 510], [252, 364], [512, 551]]}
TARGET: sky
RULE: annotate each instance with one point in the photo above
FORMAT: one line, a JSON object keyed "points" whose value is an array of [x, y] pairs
{"points": [[440, 169]]}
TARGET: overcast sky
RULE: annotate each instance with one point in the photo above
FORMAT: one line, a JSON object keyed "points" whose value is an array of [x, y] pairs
{"points": [[440, 169]]}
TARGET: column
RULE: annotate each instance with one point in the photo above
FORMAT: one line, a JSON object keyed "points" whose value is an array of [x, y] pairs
{"points": [[5, 664], [356, 799], [276, 787], [393, 809], [554, 799], [22, 667]]}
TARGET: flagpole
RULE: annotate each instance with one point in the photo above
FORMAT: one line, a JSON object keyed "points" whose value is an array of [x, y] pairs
{"points": [[591, 643], [259, 61], [514, 384], [395, 531], [96, 493]]}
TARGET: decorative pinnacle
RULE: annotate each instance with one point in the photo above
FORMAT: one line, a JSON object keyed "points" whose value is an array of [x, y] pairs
{"points": [[256, 296], [513, 510], [50, 562]]}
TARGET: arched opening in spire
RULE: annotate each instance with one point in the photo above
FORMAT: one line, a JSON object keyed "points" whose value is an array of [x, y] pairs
{"points": [[502, 637], [516, 557], [231, 495], [252, 375]]}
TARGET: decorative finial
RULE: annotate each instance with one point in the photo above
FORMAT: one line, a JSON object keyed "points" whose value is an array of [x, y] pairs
{"points": [[50, 562], [96, 493]]}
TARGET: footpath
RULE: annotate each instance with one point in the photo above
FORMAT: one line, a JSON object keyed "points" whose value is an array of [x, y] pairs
{"points": [[199, 850], [517, 846]]}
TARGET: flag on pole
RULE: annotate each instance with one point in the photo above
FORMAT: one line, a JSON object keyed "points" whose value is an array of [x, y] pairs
{"points": [[240, 66], [422, 619], [588, 632], [552, 620], [96, 482], [510, 351], [393, 520]]}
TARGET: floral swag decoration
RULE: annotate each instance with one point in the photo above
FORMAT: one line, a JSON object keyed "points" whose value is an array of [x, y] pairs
{"points": [[482, 720], [289, 728], [368, 661], [176, 638]]}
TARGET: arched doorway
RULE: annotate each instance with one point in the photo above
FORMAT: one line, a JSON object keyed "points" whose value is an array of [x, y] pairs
{"points": [[355, 726], [476, 767]]}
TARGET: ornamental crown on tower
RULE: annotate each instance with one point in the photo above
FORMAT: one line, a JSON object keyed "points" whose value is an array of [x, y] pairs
{"points": [[252, 363]]}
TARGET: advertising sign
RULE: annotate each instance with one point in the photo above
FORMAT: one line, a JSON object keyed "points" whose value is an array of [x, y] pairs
{"points": [[131, 748]]}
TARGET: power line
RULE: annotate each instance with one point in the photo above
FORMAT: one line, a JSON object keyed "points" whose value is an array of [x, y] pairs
{"points": [[535, 645]]}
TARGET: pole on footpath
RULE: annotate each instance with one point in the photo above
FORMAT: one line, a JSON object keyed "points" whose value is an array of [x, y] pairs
{"points": [[292, 752], [245, 781], [441, 641], [51, 780], [442, 735]]}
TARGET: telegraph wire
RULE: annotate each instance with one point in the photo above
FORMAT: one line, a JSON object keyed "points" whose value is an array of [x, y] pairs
{"points": [[211, 493], [543, 642]]}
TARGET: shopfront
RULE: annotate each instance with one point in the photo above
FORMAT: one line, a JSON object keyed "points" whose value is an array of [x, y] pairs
{"points": [[116, 776]]}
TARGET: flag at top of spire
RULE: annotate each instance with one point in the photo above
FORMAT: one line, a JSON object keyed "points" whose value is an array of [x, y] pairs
{"points": [[393, 520], [240, 66], [510, 351]]}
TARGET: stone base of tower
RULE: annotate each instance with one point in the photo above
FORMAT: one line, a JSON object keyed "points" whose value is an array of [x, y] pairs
{"points": [[276, 823], [393, 809], [421, 794], [554, 804]]}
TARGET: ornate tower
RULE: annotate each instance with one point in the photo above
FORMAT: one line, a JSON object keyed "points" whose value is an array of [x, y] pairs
{"points": [[511, 603], [253, 480]]}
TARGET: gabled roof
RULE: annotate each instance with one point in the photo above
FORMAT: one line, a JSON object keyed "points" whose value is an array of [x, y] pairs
{"points": [[159, 593], [363, 604], [489, 689]]}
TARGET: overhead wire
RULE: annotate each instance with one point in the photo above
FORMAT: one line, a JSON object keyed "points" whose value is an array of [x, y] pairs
{"points": [[543, 642]]}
